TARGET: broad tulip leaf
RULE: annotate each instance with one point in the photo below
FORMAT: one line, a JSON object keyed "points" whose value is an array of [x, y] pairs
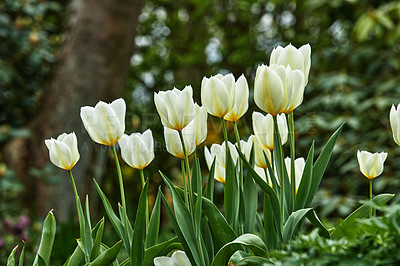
{"points": [[231, 192], [139, 231], [154, 224], [238, 256], [11, 257], [254, 261], [269, 230], [207, 237], [346, 227], [97, 240], [115, 221], [305, 182], [250, 195], [161, 249], [321, 164], [108, 256], [125, 221], [177, 229], [253, 242], [184, 221], [47, 239]]}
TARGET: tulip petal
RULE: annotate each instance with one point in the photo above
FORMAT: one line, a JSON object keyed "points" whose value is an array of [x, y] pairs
{"points": [[90, 120]]}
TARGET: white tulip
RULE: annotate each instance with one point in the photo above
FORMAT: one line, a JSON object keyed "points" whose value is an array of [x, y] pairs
{"points": [[240, 100], [63, 151], [295, 58], [137, 149], [178, 258], [175, 107], [218, 152], [263, 127], [395, 123], [371, 164], [105, 123], [200, 124], [299, 164], [216, 94], [260, 152], [174, 144]]}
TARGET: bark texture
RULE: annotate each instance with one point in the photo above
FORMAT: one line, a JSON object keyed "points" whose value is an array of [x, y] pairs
{"points": [[92, 65]]}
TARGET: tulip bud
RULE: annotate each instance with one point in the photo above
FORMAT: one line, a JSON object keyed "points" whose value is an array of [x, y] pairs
{"points": [[178, 258], [295, 58], [371, 164], [200, 124], [263, 127], [175, 107], [173, 141], [105, 123], [299, 164], [63, 151], [395, 123], [240, 100], [216, 94], [218, 152], [137, 150]]}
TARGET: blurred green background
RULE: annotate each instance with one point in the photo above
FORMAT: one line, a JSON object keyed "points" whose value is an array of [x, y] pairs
{"points": [[354, 78]]}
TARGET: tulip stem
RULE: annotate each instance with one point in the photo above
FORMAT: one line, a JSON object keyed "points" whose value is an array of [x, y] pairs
{"points": [[184, 181], [279, 158], [121, 184], [292, 156], [225, 134], [370, 197], [73, 185], [240, 149], [147, 204], [187, 169]]}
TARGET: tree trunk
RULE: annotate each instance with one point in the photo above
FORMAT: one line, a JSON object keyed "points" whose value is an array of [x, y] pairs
{"points": [[92, 65]]}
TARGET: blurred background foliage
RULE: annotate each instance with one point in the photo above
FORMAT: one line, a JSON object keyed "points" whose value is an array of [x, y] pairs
{"points": [[354, 78]]}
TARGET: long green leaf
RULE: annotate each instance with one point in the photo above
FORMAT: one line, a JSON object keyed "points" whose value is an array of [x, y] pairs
{"points": [[346, 227], [231, 192], [11, 257], [177, 229], [304, 187], [210, 182], [315, 221], [321, 164], [97, 240], [197, 186], [115, 221], [75, 258], [21, 257], [139, 231], [250, 195], [47, 239], [154, 224], [108, 256], [207, 237], [269, 232], [161, 249], [251, 241]]}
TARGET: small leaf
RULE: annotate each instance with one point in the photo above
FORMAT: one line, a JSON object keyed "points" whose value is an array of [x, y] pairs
{"points": [[154, 224], [47, 239], [11, 257], [254, 261], [97, 241], [210, 182], [304, 187], [75, 258], [108, 256], [21, 257]]}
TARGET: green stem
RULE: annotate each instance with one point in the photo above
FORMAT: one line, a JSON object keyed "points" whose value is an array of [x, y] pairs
{"points": [[370, 197], [187, 170], [278, 157], [121, 183], [292, 156], [225, 135], [74, 186], [147, 203], [240, 149], [184, 182]]}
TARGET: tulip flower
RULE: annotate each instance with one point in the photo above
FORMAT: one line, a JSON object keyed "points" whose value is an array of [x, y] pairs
{"points": [[295, 58], [216, 94], [175, 107], [63, 151], [395, 123], [178, 258], [240, 100], [263, 127], [200, 124], [261, 172], [371, 164], [137, 149], [105, 123], [218, 152], [299, 164], [278, 89], [174, 144], [259, 158]]}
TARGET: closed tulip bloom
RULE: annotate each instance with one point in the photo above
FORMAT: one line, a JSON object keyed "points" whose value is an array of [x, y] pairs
{"points": [[218, 152], [216, 94], [63, 151], [178, 258], [261, 172], [173, 142], [259, 157], [395, 123], [240, 100], [137, 149], [299, 164], [200, 124], [105, 123], [295, 58], [263, 127], [371, 164], [175, 107]]}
